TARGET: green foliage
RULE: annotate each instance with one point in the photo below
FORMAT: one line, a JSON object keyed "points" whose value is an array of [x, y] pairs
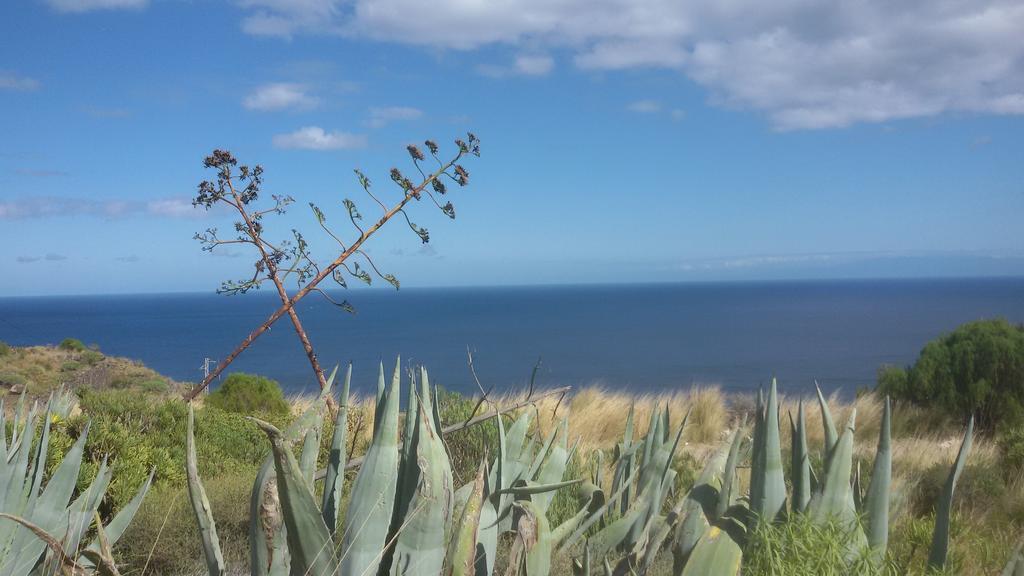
{"points": [[249, 395], [10, 378], [468, 447], [1011, 451], [70, 366], [976, 484], [893, 381], [802, 547], [5, 348], [91, 357], [565, 503], [121, 382], [72, 345], [163, 535], [37, 511], [140, 432], [976, 369], [154, 386]]}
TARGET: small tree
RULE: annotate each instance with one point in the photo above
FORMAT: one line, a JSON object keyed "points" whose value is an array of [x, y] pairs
{"points": [[72, 345], [239, 187], [976, 369], [251, 395]]}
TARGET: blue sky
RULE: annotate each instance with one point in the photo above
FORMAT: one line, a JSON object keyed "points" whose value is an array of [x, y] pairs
{"points": [[623, 141]]}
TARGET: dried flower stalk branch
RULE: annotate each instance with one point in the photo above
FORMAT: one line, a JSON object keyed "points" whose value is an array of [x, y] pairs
{"points": [[307, 273]]}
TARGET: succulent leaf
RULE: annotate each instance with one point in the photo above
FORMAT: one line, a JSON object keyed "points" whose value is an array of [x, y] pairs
{"points": [[309, 542], [878, 492], [940, 537], [335, 477], [201, 504], [373, 492]]}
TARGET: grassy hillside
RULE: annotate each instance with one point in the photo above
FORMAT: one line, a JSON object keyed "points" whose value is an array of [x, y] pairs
{"points": [[39, 369]]}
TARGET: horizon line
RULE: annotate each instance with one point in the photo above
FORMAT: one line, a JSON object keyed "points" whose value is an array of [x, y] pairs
{"points": [[595, 284]]}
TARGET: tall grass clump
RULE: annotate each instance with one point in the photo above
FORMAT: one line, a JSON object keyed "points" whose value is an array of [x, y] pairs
{"points": [[802, 547]]}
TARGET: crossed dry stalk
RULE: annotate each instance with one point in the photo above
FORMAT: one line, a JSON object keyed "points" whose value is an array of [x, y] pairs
{"points": [[309, 274]]}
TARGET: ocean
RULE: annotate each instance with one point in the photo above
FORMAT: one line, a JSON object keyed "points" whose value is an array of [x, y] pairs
{"points": [[642, 338]]}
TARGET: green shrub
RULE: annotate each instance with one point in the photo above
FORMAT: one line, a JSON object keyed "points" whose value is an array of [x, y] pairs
{"points": [[892, 380], [1011, 452], [466, 448], [140, 432], [979, 487], [72, 345], [91, 357], [249, 394], [70, 366], [803, 547], [10, 378], [5, 349], [976, 369], [154, 386]]}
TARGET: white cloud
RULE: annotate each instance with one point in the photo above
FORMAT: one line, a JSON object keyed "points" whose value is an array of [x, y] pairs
{"points": [[655, 108], [644, 106], [171, 207], [280, 96], [385, 115], [534, 65], [58, 206], [51, 257], [11, 81], [315, 138], [90, 5], [285, 18], [801, 63], [522, 65]]}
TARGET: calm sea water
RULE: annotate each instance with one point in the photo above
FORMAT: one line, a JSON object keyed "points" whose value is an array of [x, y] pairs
{"points": [[642, 338]]}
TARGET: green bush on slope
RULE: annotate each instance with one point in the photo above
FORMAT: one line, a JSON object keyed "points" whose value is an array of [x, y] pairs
{"points": [[72, 345], [249, 395], [138, 432], [976, 369]]}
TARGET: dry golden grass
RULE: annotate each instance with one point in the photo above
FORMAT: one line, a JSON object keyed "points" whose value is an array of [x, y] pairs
{"points": [[597, 416], [360, 415]]}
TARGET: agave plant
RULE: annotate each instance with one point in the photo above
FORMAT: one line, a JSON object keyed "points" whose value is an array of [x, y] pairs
{"points": [[708, 527], [43, 531], [715, 544], [405, 516]]}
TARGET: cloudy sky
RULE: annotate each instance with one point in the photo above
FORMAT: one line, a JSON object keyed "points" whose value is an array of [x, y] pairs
{"points": [[623, 140]]}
